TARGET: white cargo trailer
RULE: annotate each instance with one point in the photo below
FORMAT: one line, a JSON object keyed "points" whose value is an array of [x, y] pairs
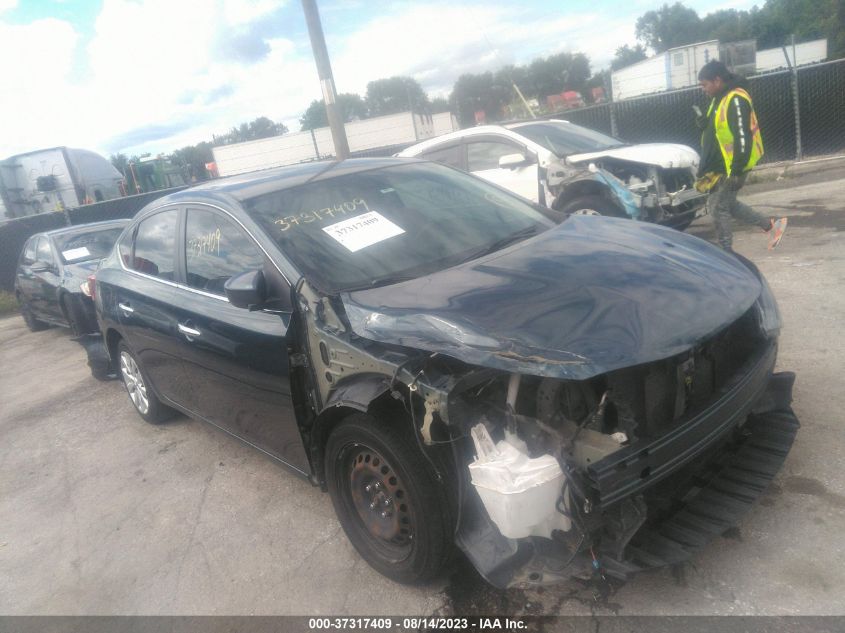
{"points": [[676, 68], [445, 122], [367, 134], [804, 53]]}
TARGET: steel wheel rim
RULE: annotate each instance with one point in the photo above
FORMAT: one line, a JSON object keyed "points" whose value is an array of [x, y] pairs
{"points": [[586, 212], [134, 382], [380, 501]]}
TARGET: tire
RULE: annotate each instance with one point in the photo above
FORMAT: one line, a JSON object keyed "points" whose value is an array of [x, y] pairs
{"points": [[32, 323], [139, 388], [592, 205], [369, 461]]}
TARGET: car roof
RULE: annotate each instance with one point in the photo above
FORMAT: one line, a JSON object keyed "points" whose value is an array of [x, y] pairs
{"points": [[105, 224], [507, 128], [245, 186]]}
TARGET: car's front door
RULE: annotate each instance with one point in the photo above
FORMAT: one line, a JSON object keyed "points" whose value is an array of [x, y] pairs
{"points": [[145, 304], [46, 294], [483, 161], [236, 359]]}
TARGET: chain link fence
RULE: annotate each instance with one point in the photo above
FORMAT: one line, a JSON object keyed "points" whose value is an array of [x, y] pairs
{"points": [[801, 113]]}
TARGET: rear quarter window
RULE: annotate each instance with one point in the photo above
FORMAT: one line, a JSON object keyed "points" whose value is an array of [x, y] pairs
{"points": [[155, 245]]}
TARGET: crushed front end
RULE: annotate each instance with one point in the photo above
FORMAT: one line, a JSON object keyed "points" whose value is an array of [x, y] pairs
{"points": [[601, 421], [655, 459]]}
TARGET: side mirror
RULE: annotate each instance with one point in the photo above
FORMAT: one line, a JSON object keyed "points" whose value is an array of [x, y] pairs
{"points": [[247, 290], [40, 267], [511, 161]]}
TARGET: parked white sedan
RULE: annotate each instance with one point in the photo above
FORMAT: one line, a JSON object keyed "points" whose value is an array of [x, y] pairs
{"points": [[576, 170]]}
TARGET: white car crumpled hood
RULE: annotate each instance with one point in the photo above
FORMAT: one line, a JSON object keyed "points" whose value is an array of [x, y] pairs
{"points": [[666, 155]]}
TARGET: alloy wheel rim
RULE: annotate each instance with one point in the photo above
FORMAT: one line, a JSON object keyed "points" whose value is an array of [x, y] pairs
{"points": [[586, 212], [134, 382]]}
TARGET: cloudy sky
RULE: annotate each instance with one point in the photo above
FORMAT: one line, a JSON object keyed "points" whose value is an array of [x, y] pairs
{"points": [[155, 75]]}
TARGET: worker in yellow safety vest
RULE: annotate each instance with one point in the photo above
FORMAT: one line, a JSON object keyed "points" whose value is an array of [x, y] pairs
{"points": [[731, 144]]}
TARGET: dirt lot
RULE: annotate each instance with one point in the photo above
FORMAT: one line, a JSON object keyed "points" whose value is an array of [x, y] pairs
{"points": [[104, 514]]}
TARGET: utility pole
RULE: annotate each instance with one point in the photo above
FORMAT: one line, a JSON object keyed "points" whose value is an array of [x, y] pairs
{"points": [[324, 70]]}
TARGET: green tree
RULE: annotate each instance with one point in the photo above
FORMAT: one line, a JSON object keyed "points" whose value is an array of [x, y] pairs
{"points": [[557, 73], [473, 93], [120, 162], [192, 160], [262, 127], [439, 104], [770, 25], [396, 94], [669, 26], [351, 105], [625, 56]]}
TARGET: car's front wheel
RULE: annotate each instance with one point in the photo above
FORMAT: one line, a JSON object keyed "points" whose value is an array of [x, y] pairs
{"points": [[139, 389], [592, 205], [388, 500]]}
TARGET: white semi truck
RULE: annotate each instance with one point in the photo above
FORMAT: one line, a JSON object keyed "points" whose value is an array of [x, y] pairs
{"points": [[54, 179]]}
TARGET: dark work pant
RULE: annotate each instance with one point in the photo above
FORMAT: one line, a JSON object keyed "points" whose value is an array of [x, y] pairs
{"points": [[723, 206]]}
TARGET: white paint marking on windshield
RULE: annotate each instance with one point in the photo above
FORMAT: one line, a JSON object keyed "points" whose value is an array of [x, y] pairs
{"points": [[363, 231]]}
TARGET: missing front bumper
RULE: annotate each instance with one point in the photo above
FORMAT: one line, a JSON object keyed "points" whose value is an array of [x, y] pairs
{"points": [[739, 471]]}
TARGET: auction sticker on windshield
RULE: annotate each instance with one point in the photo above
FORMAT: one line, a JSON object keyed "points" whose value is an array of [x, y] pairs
{"points": [[75, 253], [363, 230]]}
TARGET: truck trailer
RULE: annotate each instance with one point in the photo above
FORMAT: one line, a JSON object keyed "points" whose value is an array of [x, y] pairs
{"points": [[54, 179]]}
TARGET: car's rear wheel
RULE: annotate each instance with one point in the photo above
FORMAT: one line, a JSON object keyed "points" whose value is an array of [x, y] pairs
{"points": [[387, 499], [32, 323], [592, 205], [139, 389]]}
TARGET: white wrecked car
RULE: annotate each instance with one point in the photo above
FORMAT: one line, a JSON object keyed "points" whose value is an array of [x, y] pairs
{"points": [[576, 170]]}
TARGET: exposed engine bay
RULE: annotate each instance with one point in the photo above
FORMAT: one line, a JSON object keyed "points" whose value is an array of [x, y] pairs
{"points": [[652, 193]]}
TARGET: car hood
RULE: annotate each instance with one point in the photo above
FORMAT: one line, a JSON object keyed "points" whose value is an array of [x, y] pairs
{"points": [[592, 295], [666, 155]]}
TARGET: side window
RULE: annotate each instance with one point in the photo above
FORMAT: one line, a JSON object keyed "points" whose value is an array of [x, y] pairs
{"points": [[155, 243], [216, 249], [43, 252], [448, 156], [29, 252], [486, 154]]}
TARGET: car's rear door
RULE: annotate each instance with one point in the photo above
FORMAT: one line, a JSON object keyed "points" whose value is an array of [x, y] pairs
{"points": [[236, 359], [483, 154], [146, 298]]}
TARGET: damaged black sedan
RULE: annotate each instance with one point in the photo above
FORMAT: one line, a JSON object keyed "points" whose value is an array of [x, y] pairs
{"points": [[554, 396]]}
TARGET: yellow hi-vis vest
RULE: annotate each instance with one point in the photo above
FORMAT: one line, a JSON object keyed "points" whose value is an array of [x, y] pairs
{"points": [[725, 137]]}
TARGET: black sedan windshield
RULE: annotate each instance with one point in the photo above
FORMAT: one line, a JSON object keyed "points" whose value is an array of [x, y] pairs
{"points": [[566, 138], [381, 226], [86, 245]]}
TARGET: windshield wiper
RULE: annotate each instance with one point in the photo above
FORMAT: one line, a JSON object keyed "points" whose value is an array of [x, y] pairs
{"points": [[498, 245]]}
